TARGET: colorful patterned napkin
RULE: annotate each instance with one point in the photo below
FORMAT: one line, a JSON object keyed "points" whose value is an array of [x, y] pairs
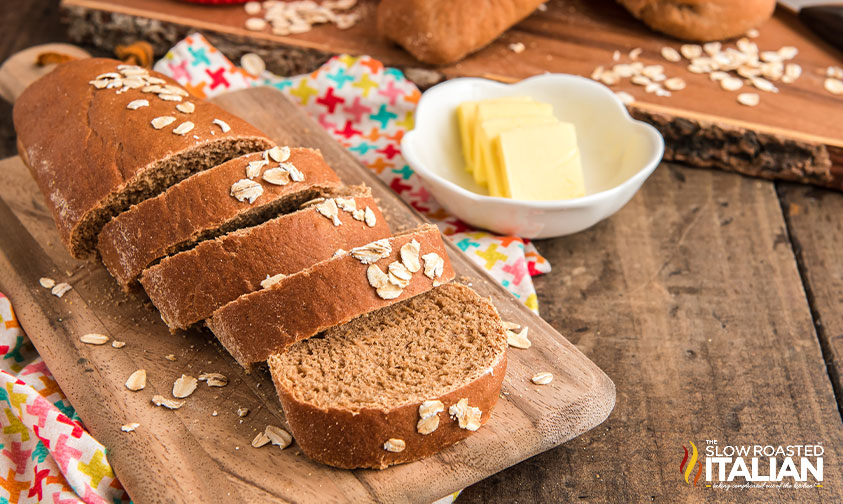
{"points": [[47, 455], [366, 107]]}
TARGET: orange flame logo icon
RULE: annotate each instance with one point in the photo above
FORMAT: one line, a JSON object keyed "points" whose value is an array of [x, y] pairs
{"points": [[686, 469]]}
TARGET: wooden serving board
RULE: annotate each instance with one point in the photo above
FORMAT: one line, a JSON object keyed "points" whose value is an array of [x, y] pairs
{"points": [[192, 455], [792, 135]]}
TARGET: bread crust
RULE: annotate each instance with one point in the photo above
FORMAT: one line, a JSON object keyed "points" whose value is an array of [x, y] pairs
{"points": [[84, 147], [442, 31], [701, 20], [197, 206], [332, 292], [187, 287]]}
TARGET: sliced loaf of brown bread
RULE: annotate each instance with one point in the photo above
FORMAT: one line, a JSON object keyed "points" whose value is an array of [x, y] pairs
{"points": [[209, 204], [330, 293], [395, 385], [99, 136], [189, 286]]}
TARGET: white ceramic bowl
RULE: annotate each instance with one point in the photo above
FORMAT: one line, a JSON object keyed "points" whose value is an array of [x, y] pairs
{"points": [[618, 154]]}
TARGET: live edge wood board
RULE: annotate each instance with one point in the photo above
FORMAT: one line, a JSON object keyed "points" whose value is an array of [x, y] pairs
{"points": [[194, 455], [793, 135]]}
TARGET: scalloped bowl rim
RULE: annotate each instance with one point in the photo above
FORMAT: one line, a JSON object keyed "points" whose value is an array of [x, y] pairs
{"points": [[584, 201]]}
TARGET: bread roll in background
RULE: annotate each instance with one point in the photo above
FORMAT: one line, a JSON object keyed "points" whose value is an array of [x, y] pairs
{"points": [[444, 31], [701, 20]]}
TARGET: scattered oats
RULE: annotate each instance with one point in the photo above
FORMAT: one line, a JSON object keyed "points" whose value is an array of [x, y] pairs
{"points": [[252, 8], [60, 289], [256, 24], [835, 72], [697, 69], [99, 83], [373, 252], [160, 400], [118, 344], [517, 47], [833, 86], [329, 209], [377, 278], [155, 80], [690, 51], [542, 378], [675, 84], [183, 128], [347, 204], [242, 412], [137, 380], [712, 48], [671, 54], [394, 445], [94, 339], [771, 56], [47, 283], [652, 87], [624, 97], [136, 104], [184, 386], [597, 73], [752, 33], [748, 71], [160, 122], [339, 252], [269, 281], [276, 176], [633, 54], [279, 154], [433, 265], [223, 125], [311, 202], [749, 99], [763, 84], [278, 436], [624, 70], [358, 214], [510, 326], [609, 78], [369, 217], [640, 80], [389, 291], [214, 413], [170, 357], [130, 427], [467, 416], [718, 75], [788, 52], [746, 46], [792, 71], [170, 97], [186, 107], [253, 169], [518, 339], [399, 274], [616, 56], [427, 425], [253, 64], [431, 408], [214, 379], [410, 255], [731, 83], [653, 71], [246, 189], [261, 439]]}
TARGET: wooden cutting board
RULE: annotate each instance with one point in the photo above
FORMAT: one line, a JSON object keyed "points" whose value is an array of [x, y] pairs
{"points": [[201, 453], [792, 135]]}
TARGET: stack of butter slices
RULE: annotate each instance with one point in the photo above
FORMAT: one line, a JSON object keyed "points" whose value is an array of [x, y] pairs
{"points": [[377, 358]]}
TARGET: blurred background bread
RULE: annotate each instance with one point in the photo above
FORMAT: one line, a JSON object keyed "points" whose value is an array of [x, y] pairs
{"points": [[701, 20]]}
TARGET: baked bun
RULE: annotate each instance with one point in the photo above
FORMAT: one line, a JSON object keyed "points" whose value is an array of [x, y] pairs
{"points": [[701, 20]]}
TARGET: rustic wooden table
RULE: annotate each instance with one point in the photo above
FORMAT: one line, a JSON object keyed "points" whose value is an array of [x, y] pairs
{"points": [[712, 300]]}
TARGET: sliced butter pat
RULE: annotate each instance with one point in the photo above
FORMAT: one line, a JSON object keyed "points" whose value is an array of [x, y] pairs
{"points": [[488, 130], [466, 112], [541, 162], [501, 110]]}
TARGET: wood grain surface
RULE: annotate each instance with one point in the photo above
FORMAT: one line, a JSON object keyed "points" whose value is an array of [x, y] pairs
{"points": [[194, 455], [789, 136]]}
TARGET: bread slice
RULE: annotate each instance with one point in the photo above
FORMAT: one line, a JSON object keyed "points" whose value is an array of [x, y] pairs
{"points": [[349, 391], [202, 207], [93, 155], [189, 286], [330, 293]]}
